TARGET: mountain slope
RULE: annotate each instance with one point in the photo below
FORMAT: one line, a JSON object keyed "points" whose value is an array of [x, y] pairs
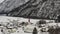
{"points": [[32, 8]]}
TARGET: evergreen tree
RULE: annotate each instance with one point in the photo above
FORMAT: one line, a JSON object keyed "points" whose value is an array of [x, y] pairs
{"points": [[34, 31]]}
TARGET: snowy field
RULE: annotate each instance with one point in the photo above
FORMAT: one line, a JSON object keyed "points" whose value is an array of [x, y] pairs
{"points": [[20, 31], [5, 19]]}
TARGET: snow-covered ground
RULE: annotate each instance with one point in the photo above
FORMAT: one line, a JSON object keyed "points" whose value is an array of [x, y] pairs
{"points": [[20, 31], [4, 19]]}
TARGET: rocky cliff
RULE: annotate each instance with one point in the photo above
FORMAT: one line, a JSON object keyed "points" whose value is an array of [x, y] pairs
{"points": [[31, 8]]}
